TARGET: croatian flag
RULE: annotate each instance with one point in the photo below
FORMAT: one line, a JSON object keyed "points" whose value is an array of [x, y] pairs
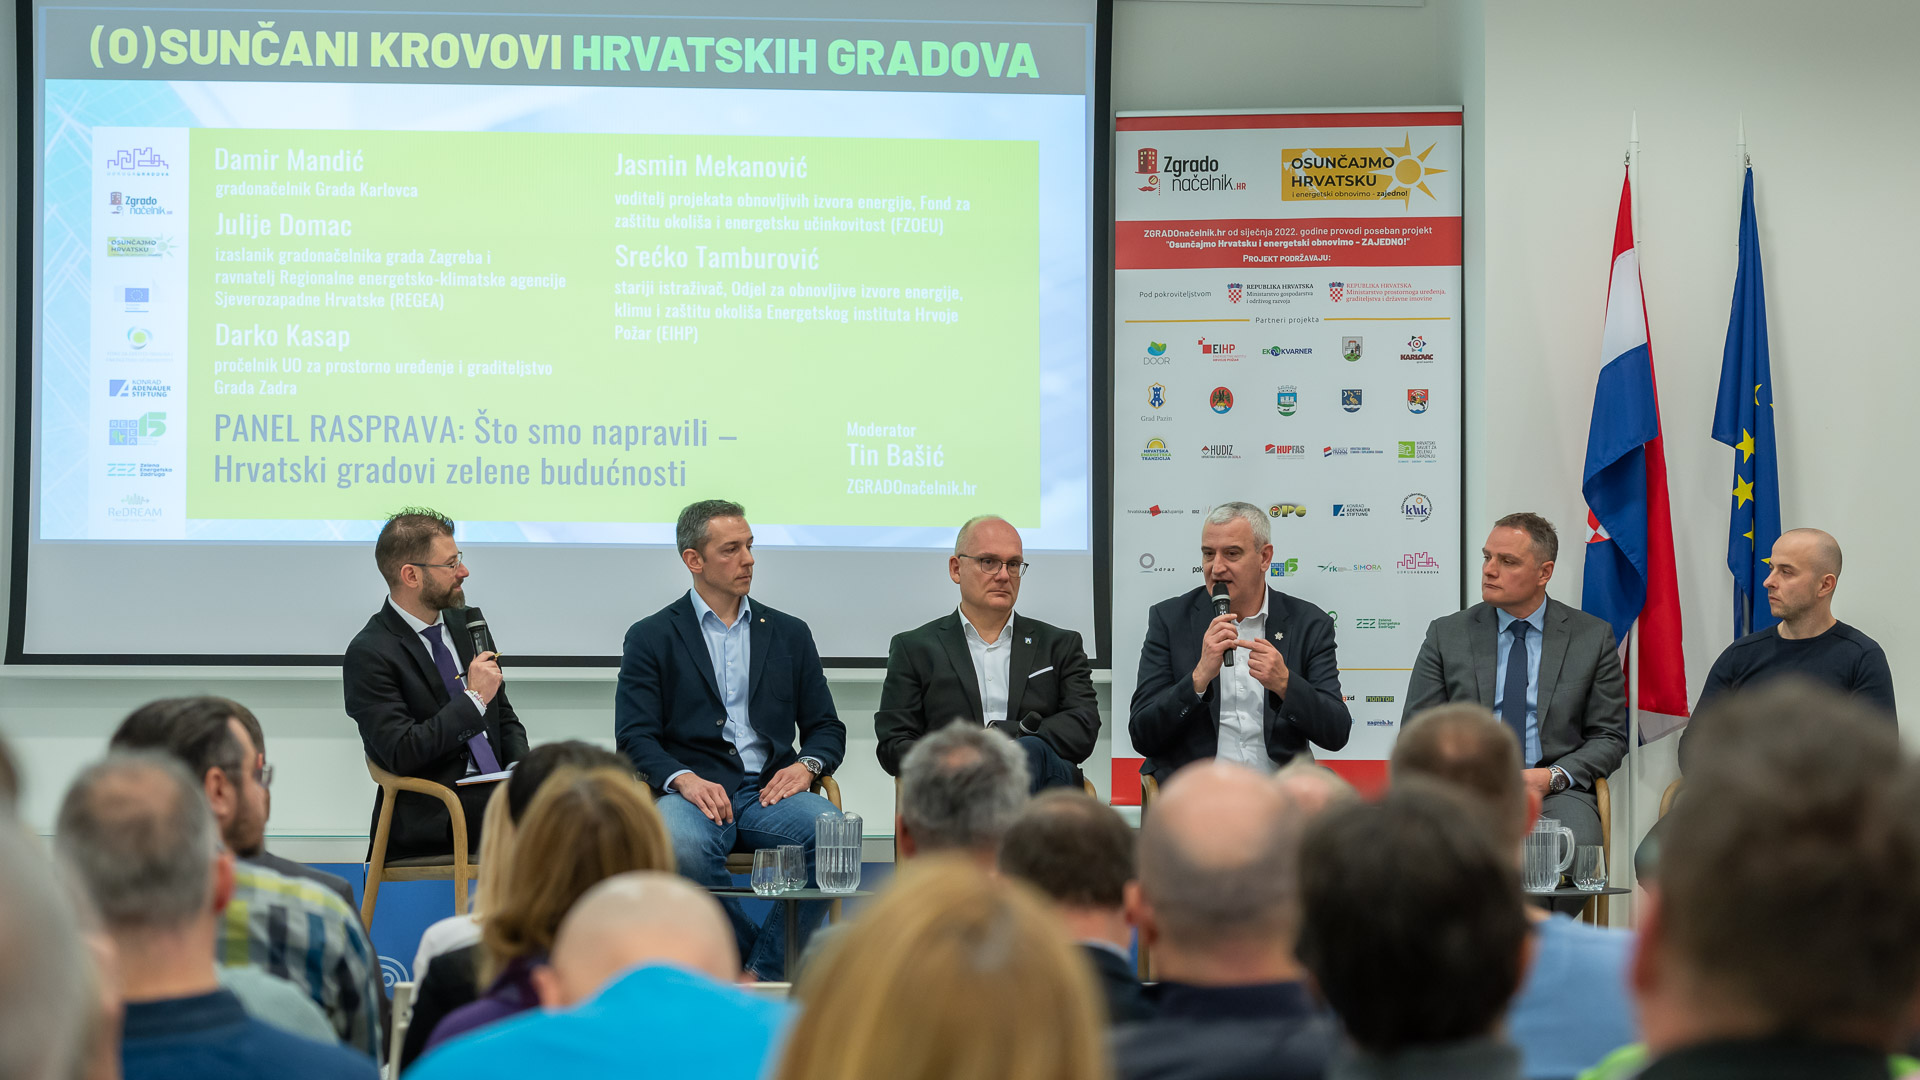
{"points": [[1629, 572]]}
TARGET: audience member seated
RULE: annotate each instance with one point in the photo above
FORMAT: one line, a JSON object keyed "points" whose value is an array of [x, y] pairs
{"points": [[258, 855], [52, 1026], [504, 807], [446, 969], [139, 836], [1080, 854], [640, 969], [1312, 789], [1572, 1008], [960, 789], [1416, 933], [1784, 939], [1218, 906], [292, 928], [583, 827], [951, 974]]}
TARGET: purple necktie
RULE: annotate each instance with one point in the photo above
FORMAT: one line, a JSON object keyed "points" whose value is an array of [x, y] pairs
{"points": [[483, 758]]}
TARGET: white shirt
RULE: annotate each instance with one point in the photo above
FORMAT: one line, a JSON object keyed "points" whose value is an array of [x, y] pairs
{"points": [[1243, 702], [992, 664], [446, 638]]}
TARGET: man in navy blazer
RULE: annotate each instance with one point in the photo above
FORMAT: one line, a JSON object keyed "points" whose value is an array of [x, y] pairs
{"points": [[1282, 691], [713, 691]]}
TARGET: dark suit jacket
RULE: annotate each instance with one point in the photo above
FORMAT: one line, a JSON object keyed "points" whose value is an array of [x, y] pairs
{"points": [[1173, 726], [1582, 696], [1118, 984], [930, 682], [410, 726], [667, 712], [1267, 1032]]}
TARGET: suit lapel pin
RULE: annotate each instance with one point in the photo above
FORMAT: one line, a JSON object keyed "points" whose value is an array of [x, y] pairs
{"points": [[1278, 634], [1028, 640]]}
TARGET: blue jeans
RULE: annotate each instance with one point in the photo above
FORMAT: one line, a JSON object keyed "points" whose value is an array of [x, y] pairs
{"points": [[700, 850]]}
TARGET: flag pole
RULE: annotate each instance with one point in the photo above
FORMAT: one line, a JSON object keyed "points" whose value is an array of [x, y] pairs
{"points": [[1633, 632]]}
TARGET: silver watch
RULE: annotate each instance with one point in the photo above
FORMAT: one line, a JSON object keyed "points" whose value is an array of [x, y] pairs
{"points": [[814, 765], [1560, 781]]}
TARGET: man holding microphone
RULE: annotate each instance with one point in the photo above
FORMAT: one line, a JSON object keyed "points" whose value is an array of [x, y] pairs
{"points": [[1233, 669]]}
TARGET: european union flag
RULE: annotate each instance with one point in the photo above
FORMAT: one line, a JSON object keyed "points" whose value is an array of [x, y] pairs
{"points": [[1744, 420]]}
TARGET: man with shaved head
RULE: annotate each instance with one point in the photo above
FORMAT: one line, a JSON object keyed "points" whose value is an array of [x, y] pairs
{"points": [[993, 668], [1218, 904], [1807, 640], [639, 979]]}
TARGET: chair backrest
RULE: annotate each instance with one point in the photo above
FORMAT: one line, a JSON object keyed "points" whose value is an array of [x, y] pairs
{"points": [[402, 1019]]}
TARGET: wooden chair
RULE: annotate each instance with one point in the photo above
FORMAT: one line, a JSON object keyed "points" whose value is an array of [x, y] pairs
{"points": [[1149, 790], [455, 866], [1596, 910], [1668, 796]]}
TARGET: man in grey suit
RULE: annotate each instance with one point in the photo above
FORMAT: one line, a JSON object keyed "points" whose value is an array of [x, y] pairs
{"points": [[1549, 672]]}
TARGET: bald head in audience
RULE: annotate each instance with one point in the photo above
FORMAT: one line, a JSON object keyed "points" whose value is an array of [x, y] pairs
{"points": [[1218, 895], [1465, 745], [631, 920], [1311, 789]]}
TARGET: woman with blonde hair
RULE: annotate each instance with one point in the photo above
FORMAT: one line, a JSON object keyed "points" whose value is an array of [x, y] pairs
{"points": [[950, 975], [446, 969], [584, 826]]}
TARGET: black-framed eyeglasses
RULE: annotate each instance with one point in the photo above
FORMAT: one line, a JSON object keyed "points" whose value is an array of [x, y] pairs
{"points": [[459, 560], [991, 564]]}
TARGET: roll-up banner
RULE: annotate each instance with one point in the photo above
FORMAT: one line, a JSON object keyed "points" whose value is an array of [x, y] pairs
{"points": [[1287, 333]]}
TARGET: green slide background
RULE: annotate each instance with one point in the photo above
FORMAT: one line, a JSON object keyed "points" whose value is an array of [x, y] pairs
{"points": [[544, 204]]}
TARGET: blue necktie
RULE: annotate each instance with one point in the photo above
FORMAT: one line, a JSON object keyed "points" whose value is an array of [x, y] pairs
{"points": [[1513, 694], [483, 758]]}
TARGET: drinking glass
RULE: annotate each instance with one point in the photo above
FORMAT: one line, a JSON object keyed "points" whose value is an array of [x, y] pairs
{"points": [[1590, 868], [793, 867], [836, 851], [767, 876], [1544, 862]]}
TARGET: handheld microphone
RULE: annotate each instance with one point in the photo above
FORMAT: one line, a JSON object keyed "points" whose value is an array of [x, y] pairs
{"points": [[477, 630], [1221, 605]]}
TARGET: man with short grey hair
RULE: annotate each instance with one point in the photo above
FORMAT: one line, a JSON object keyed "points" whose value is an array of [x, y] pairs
{"points": [[982, 662], [960, 790], [140, 836], [1257, 684], [1218, 907], [49, 1001]]}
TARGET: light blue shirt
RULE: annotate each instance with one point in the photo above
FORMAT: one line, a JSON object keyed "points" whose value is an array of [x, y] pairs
{"points": [[1538, 622], [1574, 1007], [677, 1022], [731, 650]]}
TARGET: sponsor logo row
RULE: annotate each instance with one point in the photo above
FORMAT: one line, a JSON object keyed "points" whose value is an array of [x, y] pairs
{"points": [[1416, 507], [1418, 563], [1352, 348], [1404, 451], [1287, 400]]}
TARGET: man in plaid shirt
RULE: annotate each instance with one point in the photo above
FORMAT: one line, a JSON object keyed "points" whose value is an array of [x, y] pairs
{"points": [[290, 927]]}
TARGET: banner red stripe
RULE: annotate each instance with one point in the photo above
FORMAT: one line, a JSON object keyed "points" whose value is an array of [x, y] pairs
{"points": [[1288, 120], [1286, 243], [1370, 777]]}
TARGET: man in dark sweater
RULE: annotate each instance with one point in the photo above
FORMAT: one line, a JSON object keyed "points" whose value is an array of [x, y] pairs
{"points": [[1807, 640], [1218, 906], [1784, 940]]}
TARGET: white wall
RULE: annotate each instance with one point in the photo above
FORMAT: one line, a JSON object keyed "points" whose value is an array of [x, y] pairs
{"points": [[1549, 86]]}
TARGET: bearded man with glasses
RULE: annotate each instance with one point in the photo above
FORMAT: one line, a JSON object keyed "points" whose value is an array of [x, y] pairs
{"points": [[985, 665], [427, 706]]}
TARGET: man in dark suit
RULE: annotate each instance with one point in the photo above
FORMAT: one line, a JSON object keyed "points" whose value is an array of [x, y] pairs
{"points": [[1282, 692], [1551, 673], [418, 714], [713, 691], [983, 663], [1080, 854]]}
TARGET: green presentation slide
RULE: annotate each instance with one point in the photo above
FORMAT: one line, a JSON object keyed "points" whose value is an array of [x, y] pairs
{"points": [[603, 328]]}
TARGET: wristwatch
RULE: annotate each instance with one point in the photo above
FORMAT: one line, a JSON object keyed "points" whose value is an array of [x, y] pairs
{"points": [[1560, 780], [814, 765]]}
